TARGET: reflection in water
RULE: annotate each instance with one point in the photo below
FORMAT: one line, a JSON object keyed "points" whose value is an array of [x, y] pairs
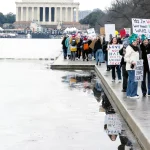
{"points": [[113, 125], [88, 82]]}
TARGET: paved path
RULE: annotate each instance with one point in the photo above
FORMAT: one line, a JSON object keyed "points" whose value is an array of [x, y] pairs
{"points": [[135, 112]]}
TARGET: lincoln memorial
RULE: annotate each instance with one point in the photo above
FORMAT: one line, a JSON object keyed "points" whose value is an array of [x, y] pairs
{"points": [[47, 12]]}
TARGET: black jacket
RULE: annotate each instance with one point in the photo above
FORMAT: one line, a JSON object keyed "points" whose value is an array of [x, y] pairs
{"points": [[98, 45], [63, 43], [145, 50]]}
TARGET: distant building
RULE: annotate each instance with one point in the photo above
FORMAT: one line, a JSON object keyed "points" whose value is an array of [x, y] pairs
{"points": [[84, 13]]}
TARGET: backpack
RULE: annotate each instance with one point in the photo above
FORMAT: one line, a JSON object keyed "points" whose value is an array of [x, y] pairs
{"points": [[85, 46], [73, 43]]}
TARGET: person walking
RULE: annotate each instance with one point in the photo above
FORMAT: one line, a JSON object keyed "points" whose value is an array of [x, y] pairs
{"points": [[145, 49], [73, 47], [64, 47], [99, 51], [115, 67], [85, 47], [131, 57]]}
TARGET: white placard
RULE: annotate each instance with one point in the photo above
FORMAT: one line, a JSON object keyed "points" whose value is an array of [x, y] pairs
{"points": [[141, 26], [139, 70], [114, 58], [114, 125], [148, 58], [128, 30], [91, 32], [109, 31]]}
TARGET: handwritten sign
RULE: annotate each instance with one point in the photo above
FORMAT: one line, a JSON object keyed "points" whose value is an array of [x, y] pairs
{"points": [[109, 31], [114, 125], [114, 58], [148, 58], [91, 32], [141, 26], [139, 70]]}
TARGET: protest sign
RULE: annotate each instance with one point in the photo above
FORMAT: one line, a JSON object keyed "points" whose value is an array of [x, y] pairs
{"points": [[114, 58], [141, 26], [114, 125], [139, 70], [109, 31], [128, 30], [102, 31], [91, 32], [148, 58]]}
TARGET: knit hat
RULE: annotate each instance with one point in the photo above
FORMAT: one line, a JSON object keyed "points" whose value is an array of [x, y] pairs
{"points": [[134, 35], [132, 39], [73, 36], [143, 37], [85, 38]]}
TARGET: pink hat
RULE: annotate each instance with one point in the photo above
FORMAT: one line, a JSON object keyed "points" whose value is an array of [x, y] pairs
{"points": [[85, 39], [73, 36]]}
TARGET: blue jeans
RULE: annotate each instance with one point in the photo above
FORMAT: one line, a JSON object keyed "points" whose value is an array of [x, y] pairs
{"points": [[143, 86], [114, 68], [132, 85], [99, 56]]}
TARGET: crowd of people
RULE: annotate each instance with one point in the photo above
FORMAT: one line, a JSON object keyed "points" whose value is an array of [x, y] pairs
{"points": [[134, 49]]}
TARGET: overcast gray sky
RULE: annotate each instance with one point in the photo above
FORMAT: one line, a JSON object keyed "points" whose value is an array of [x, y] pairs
{"points": [[9, 5]]}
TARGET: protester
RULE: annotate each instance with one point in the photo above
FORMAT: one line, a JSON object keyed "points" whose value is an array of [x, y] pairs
{"points": [[123, 65], [145, 48], [90, 50], [92, 46], [73, 47], [64, 47], [114, 67], [79, 45], [131, 57], [67, 44], [99, 51], [85, 47]]}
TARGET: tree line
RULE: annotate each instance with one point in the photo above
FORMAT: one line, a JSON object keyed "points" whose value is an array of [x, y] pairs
{"points": [[8, 18], [120, 13]]}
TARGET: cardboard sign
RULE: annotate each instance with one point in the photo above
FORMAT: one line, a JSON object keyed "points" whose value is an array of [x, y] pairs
{"points": [[114, 58], [139, 71], [109, 31], [114, 125], [141, 26], [91, 32], [102, 31]]}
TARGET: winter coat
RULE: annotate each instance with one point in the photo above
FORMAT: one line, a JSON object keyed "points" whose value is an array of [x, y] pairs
{"points": [[67, 43], [145, 50], [63, 43], [98, 45], [131, 56]]}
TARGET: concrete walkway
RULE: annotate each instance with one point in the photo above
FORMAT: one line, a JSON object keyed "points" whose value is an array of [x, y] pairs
{"points": [[135, 112]]}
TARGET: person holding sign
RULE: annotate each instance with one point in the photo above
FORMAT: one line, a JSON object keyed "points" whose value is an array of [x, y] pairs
{"points": [[115, 66], [145, 48], [131, 57]]}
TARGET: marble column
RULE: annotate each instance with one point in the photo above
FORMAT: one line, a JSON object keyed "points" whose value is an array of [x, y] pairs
{"points": [[38, 14], [60, 14], [66, 14], [43, 14], [27, 13], [77, 14], [71, 14], [32, 13], [55, 15], [17, 14], [50, 18], [22, 14]]}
